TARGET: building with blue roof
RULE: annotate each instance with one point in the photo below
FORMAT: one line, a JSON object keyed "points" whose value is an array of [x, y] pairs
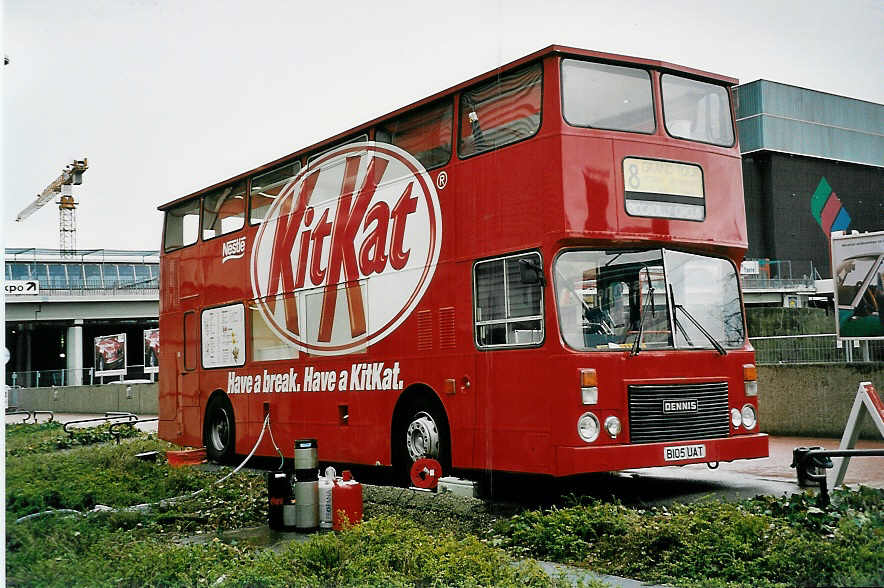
{"points": [[813, 163]]}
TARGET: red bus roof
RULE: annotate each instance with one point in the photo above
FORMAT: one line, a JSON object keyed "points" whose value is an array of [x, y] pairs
{"points": [[537, 55]]}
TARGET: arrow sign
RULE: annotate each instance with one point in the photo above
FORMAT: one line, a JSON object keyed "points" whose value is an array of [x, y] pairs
{"points": [[21, 287]]}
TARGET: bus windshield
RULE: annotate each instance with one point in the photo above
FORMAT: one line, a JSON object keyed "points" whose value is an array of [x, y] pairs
{"points": [[647, 299]]}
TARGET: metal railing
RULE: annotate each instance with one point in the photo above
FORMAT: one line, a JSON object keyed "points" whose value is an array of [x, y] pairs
{"points": [[775, 274], [803, 349], [73, 377]]}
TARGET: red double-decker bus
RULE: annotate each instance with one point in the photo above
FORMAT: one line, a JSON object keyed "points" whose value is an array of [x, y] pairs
{"points": [[532, 271]]}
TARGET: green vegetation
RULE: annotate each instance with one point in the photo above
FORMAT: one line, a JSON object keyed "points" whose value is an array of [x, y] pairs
{"points": [[189, 542], [771, 321], [407, 538], [22, 439], [760, 542]]}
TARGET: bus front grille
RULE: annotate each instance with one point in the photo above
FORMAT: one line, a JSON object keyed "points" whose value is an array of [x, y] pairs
{"points": [[678, 412]]}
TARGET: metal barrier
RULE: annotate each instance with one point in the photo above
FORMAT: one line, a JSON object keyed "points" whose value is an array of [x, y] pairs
{"points": [[108, 416], [27, 414], [811, 465], [116, 433], [75, 377], [31, 414], [803, 349]]}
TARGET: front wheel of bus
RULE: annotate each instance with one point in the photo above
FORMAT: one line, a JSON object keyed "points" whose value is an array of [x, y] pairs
{"points": [[219, 434], [422, 433]]}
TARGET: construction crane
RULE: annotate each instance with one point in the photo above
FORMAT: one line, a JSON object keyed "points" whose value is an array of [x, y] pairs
{"points": [[71, 175]]}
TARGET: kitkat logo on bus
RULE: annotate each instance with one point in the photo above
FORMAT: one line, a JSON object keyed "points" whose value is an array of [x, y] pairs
{"points": [[348, 249]]}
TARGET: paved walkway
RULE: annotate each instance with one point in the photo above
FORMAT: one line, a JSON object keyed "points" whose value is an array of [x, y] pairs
{"points": [[862, 470]]}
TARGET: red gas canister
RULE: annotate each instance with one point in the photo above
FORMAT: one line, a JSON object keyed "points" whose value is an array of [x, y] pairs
{"points": [[347, 501]]}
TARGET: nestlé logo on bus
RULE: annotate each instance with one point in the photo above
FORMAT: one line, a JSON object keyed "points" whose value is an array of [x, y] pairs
{"points": [[233, 249], [347, 249]]}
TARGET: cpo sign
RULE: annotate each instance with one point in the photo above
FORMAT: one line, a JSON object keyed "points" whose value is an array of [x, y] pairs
{"points": [[348, 249], [21, 287]]}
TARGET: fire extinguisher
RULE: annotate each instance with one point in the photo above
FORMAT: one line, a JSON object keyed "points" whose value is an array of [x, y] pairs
{"points": [[346, 501]]}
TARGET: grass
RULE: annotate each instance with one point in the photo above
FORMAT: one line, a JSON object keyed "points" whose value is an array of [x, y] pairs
{"points": [[25, 439], [759, 542], [406, 539], [158, 547]]}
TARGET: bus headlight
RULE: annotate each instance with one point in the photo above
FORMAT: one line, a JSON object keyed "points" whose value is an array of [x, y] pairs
{"points": [[736, 418], [749, 416], [612, 426], [588, 427]]}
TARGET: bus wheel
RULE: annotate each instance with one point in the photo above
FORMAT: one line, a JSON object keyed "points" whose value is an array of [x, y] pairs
{"points": [[423, 432], [219, 431]]}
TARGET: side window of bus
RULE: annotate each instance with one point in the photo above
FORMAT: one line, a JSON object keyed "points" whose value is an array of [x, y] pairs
{"points": [[425, 133], [508, 309], [182, 225], [500, 112], [266, 187], [224, 210]]}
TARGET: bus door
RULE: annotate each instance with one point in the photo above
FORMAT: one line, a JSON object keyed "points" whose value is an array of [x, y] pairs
{"points": [[189, 299], [512, 410]]}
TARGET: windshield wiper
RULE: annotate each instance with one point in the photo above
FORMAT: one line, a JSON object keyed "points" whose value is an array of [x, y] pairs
{"points": [[718, 347], [636, 345]]}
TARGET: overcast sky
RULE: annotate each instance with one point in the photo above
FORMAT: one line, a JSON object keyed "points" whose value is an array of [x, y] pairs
{"points": [[166, 97]]}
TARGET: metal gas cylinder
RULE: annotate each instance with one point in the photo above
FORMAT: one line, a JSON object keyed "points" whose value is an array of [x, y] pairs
{"points": [[306, 488], [326, 486]]}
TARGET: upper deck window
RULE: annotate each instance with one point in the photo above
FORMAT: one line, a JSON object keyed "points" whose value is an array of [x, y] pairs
{"points": [[182, 225], [500, 112], [266, 187], [224, 210], [318, 154], [697, 110], [606, 96], [425, 133]]}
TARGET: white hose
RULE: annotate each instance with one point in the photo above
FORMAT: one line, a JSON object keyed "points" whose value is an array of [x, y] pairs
{"points": [[166, 501]]}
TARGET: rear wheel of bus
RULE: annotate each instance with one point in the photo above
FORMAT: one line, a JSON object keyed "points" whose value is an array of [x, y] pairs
{"points": [[420, 430], [219, 430]]}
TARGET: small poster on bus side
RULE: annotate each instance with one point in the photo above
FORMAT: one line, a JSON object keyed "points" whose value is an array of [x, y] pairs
{"points": [[858, 280], [151, 351], [110, 355], [223, 336]]}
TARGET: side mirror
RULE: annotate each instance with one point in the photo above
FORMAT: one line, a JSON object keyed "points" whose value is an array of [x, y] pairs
{"points": [[530, 272]]}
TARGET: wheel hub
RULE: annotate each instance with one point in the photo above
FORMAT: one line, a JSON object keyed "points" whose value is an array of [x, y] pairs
{"points": [[220, 431], [422, 437]]}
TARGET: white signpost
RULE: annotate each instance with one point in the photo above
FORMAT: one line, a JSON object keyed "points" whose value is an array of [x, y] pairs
{"points": [[866, 396]]}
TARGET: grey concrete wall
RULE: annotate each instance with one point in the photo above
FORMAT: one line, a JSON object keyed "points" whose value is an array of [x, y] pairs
{"points": [[814, 400], [136, 398]]}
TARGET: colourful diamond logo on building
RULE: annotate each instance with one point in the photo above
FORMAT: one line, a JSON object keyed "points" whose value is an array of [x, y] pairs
{"points": [[828, 210]]}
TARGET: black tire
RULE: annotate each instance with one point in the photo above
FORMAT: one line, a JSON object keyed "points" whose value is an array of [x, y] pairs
{"points": [[219, 430], [413, 436]]}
